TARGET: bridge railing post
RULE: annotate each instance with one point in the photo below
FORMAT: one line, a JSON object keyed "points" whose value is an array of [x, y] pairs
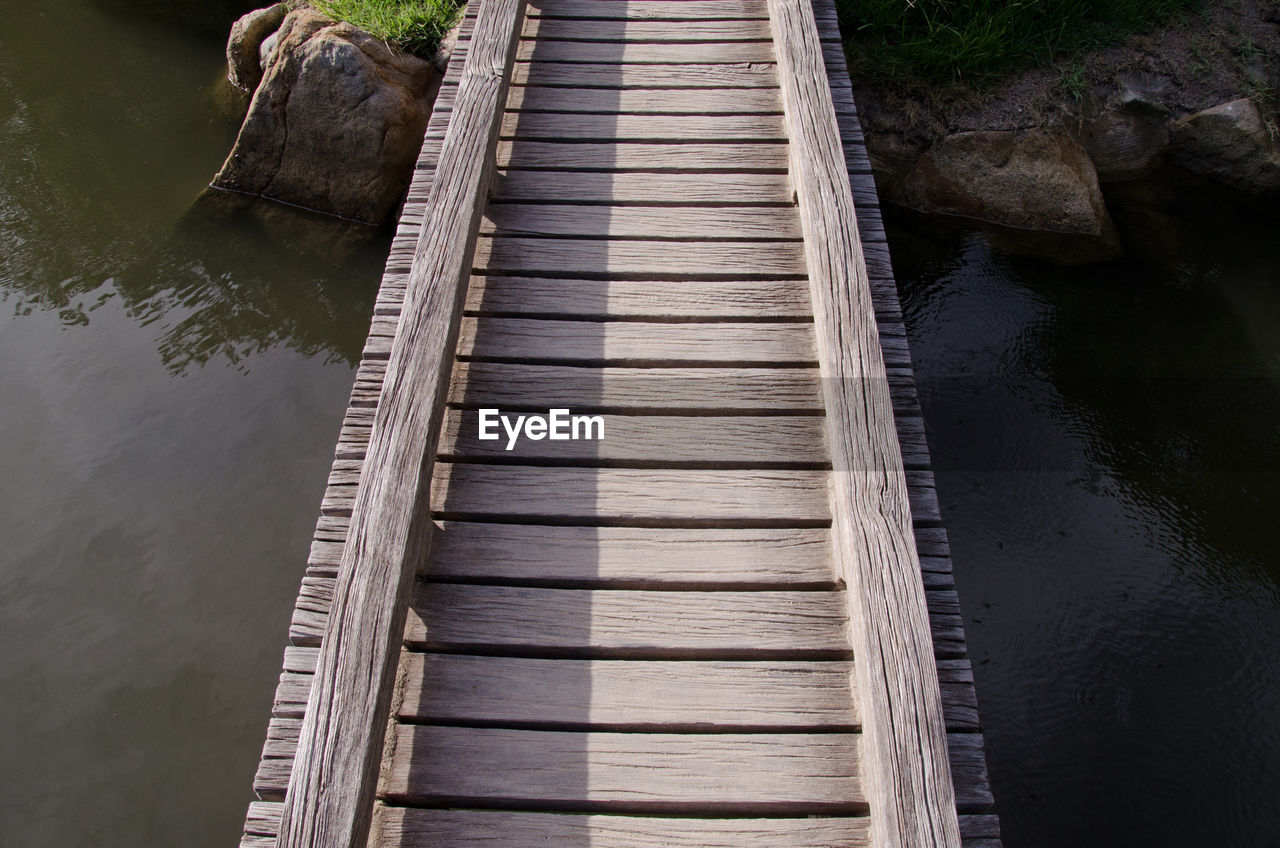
{"points": [[333, 784], [905, 765]]}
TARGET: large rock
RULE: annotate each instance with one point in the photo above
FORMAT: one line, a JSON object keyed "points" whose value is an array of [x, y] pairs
{"points": [[244, 67], [1229, 143], [1035, 180], [1126, 133], [335, 124]]}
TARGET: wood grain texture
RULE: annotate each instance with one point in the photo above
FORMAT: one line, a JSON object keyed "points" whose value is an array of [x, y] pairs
{"points": [[674, 391], [642, 128], [635, 299], [627, 695], [628, 624], [655, 441], [641, 52], [626, 772], [666, 222], [650, 259], [644, 101], [649, 156], [677, 497], [588, 28], [649, 10], [330, 796], [912, 799], [631, 557], [670, 189], [612, 75], [398, 826], [636, 342]]}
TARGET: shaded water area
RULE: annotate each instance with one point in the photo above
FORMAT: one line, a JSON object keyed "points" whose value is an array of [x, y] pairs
{"points": [[172, 383], [1107, 442]]}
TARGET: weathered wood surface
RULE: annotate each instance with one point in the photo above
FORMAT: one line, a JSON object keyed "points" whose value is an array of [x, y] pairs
{"points": [[587, 28], [632, 557], [671, 189], [330, 796], [654, 441], [642, 128], [631, 624], [569, 52], [632, 299], [640, 222], [635, 343], [644, 101], [648, 156], [582, 565], [577, 495], [912, 799], [480, 829], [681, 76], [629, 772], [627, 695]]}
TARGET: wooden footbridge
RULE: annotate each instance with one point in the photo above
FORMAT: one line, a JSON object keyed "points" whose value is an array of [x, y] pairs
{"points": [[731, 620]]}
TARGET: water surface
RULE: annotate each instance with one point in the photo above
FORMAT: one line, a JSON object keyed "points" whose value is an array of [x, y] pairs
{"points": [[172, 385], [1108, 445]]}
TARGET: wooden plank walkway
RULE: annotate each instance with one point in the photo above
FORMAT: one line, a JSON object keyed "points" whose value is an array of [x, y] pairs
{"points": [[653, 639]]}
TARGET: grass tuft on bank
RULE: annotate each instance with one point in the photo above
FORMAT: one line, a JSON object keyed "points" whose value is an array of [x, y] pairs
{"points": [[414, 26], [924, 42]]}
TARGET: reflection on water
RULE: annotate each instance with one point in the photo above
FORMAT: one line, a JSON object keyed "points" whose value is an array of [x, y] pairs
{"points": [[1108, 445], [173, 377]]}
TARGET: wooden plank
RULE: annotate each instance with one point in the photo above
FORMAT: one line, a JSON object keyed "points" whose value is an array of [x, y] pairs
{"points": [[709, 299], [330, 795], [647, 10], [628, 624], [627, 695], [627, 772], [649, 222], [634, 30], [654, 441], [644, 101], [676, 497], [648, 259], [485, 828], [667, 188], [612, 75], [631, 557], [654, 391], [482, 829], [640, 52], [913, 802], [635, 343], [649, 156], [642, 128]]}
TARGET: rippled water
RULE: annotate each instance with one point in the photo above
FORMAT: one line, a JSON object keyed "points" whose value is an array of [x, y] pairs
{"points": [[172, 383], [1107, 442]]}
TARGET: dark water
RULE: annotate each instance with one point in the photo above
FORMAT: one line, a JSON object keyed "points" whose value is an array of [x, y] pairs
{"points": [[171, 386], [1108, 445]]}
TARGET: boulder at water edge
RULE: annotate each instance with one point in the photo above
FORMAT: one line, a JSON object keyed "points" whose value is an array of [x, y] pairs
{"points": [[336, 123], [1035, 180], [244, 68], [1231, 144]]}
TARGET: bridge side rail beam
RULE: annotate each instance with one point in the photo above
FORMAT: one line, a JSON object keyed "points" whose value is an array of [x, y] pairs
{"points": [[331, 789], [905, 765]]}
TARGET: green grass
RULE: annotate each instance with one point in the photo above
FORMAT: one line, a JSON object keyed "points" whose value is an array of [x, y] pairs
{"points": [[941, 41], [415, 26]]}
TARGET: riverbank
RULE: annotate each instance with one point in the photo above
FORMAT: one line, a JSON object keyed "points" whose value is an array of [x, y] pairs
{"points": [[1040, 149]]}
